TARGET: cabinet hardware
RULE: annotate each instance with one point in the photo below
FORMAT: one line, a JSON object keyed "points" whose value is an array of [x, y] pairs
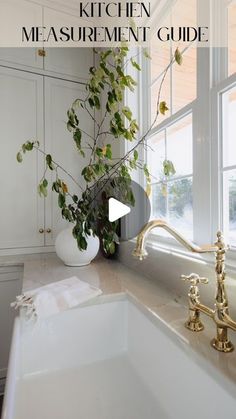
{"points": [[41, 230], [49, 230], [41, 52]]}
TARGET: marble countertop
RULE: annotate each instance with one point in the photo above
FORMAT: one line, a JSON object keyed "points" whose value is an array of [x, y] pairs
{"points": [[113, 278]]}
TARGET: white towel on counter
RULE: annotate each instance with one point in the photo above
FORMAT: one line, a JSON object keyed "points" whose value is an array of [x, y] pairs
{"points": [[58, 296]]}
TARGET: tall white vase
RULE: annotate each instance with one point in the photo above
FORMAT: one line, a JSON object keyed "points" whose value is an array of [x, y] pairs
{"points": [[67, 249]]}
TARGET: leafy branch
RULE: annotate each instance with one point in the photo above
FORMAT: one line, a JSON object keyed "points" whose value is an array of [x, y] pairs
{"points": [[108, 79]]}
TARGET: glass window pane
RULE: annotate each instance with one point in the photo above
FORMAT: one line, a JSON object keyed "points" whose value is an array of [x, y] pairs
{"points": [[180, 206], [179, 146], [185, 80], [159, 204], [230, 206], [184, 13], [156, 156], [232, 37], [160, 53], [229, 136], [165, 96], [184, 77]]}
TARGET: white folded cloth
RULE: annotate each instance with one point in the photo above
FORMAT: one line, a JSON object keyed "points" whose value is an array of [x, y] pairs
{"points": [[58, 296]]}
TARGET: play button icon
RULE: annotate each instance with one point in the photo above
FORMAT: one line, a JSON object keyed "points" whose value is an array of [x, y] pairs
{"points": [[112, 197], [116, 210]]}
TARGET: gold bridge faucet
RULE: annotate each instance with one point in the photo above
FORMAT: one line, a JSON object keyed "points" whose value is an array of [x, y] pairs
{"points": [[220, 313]]}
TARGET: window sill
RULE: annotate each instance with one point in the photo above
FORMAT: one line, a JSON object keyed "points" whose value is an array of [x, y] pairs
{"points": [[168, 245]]}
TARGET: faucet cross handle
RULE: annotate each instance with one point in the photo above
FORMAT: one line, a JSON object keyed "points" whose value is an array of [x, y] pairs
{"points": [[195, 279]]}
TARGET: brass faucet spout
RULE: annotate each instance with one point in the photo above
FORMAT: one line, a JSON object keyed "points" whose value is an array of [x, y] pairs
{"points": [[140, 251]]}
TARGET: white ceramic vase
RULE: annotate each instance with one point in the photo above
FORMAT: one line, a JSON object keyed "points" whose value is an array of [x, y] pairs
{"points": [[68, 251]]}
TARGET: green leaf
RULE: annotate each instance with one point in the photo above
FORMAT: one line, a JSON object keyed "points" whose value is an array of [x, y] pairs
{"points": [[146, 172], [75, 198], [112, 248], [42, 190], [178, 56], [105, 69], [117, 117], [119, 71], [45, 183], [77, 137], [135, 64], [168, 168], [69, 126], [82, 242], [106, 54], [92, 70], [132, 164], [108, 153], [91, 102], [88, 173], [55, 187], [49, 161], [111, 97], [135, 155], [28, 146], [163, 108], [96, 102], [61, 200], [127, 112], [99, 152], [76, 104], [146, 54], [19, 157], [130, 197]]}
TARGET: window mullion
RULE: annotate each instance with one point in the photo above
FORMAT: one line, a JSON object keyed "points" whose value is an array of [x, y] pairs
{"points": [[202, 140], [219, 74]]}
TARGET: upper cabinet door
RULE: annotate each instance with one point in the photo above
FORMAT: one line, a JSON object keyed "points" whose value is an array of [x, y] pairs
{"points": [[59, 96], [69, 61], [28, 57], [21, 119]]}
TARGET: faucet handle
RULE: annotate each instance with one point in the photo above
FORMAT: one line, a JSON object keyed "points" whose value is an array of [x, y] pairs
{"points": [[195, 279]]}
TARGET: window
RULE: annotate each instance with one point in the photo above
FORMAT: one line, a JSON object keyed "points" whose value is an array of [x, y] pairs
{"points": [[179, 88], [228, 106], [172, 198], [198, 132]]}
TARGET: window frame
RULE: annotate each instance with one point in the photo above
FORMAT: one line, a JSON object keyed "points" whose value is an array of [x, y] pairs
{"points": [[207, 136], [163, 126], [218, 169]]}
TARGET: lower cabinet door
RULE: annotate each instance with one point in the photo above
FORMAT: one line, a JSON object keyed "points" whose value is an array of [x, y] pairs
{"points": [[59, 96], [21, 119]]}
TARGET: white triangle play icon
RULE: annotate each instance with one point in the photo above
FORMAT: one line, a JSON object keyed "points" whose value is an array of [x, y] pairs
{"points": [[117, 210]]}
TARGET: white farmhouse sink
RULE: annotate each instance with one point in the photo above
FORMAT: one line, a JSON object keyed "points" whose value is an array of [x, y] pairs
{"points": [[110, 361]]}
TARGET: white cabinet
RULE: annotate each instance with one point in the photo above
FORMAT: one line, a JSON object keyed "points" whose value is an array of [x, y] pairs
{"points": [[68, 61], [59, 95], [35, 107], [26, 12], [72, 62], [21, 116]]}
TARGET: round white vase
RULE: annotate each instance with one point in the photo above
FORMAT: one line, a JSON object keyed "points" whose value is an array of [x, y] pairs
{"points": [[67, 249]]}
